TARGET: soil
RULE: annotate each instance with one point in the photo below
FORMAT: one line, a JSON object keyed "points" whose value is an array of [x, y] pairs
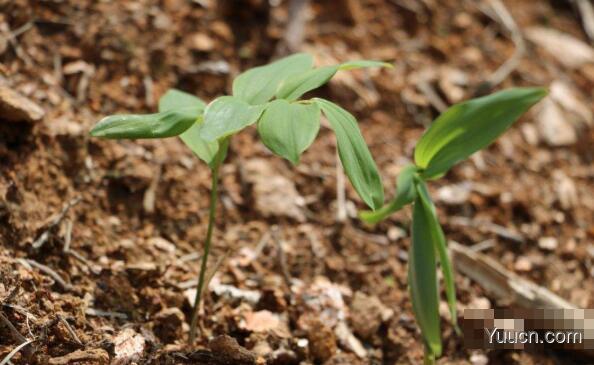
{"points": [[100, 240]]}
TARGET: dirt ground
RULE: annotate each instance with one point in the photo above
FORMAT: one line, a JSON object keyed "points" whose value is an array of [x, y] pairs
{"points": [[100, 240]]}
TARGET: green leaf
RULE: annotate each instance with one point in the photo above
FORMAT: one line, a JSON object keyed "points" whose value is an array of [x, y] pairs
{"points": [[205, 150], [422, 280], [176, 99], [354, 154], [159, 125], [439, 242], [405, 194], [227, 115], [258, 85], [295, 86], [470, 126], [351, 65], [289, 129]]}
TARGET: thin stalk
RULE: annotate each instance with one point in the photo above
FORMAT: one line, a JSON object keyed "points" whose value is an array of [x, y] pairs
{"points": [[221, 154]]}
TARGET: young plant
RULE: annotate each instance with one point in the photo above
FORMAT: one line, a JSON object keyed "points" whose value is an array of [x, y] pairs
{"points": [[456, 134], [268, 96]]}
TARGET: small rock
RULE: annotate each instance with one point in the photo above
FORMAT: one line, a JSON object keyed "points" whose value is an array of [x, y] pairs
{"points": [[265, 321], [128, 347], [548, 243], [367, 314], [274, 194], [201, 42], [553, 125], [349, 341], [454, 194], [227, 351], [523, 264], [15, 107], [568, 50], [168, 324], [322, 342], [479, 359]]}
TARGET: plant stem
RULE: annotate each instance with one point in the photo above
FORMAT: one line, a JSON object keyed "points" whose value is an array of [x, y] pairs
{"points": [[221, 154]]}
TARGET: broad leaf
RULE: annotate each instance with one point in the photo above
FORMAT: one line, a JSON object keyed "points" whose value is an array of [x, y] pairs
{"points": [[405, 194], [439, 243], [295, 86], [422, 280], [470, 126], [227, 115], [159, 125], [175, 99], [351, 65], [354, 154], [289, 129], [258, 85]]}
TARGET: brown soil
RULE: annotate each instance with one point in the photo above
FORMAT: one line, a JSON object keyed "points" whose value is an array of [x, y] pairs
{"points": [[294, 285]]}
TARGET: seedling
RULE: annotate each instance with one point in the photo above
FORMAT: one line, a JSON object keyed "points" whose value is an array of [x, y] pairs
{"points": [[268, 96], [459, 132]]}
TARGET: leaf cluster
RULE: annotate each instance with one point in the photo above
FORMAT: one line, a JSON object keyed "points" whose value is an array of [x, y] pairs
{"points": [[456, 134], [267, 96]]}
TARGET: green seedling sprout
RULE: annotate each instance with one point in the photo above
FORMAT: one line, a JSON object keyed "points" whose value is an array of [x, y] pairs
{"points": [[269, 97], [456, 134]]}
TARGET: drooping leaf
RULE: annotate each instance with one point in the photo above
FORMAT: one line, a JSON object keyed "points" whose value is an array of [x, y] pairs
{"points": [[470, 126], [351, 65], [295, 86], [422, 281], [405, 194], [439, 243], [289, 129], [176, 99], [258, 85], [227, 115], [354, 154], [159, 125]]}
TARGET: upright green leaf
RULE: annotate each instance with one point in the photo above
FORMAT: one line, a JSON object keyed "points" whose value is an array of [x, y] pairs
{"points": [[258, 85], [176, 99], [295, 86], [289, 129], [351, 65], [405, 194], [422, 280], [470, 126], [439, 242], [354, 154], [159, 125], [227, 115]]}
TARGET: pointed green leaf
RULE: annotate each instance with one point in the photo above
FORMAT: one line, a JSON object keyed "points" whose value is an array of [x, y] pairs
{"points": [[354, 154], [295, 86], [289, 129], [159, 125], [176, 99], [439, 242], [227, 115], [470, 126], [422, 280], [351, 65], [405, 194], [258, 85]]}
